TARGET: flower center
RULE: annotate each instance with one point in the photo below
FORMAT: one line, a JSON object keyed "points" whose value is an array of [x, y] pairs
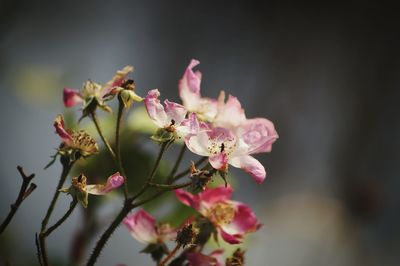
{"points": [[79, 182], [222, 213], [84, 142], [171, 127]]}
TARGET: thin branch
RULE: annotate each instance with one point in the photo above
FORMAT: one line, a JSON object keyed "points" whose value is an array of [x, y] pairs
{"points": [[176, 186], [65, 217], [177, 163], [170, 255], [24, 192], [105, 141], [66, 168], [118, 146]]}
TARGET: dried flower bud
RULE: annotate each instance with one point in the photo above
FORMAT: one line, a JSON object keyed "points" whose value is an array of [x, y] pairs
{"points": [[237, 258], [187, 235], [200, 178]]}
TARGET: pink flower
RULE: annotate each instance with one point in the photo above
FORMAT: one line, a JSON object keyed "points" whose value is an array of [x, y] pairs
{"points": [[231, 218], [171, 116], [143, 228], [189, 91], [199, 259], [71, 97], [230, 113], [223, 147]]}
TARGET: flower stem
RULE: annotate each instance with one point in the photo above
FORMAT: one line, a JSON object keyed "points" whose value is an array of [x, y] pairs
{"points": [[65, 217], [66, 168], [177, 163], [96, 123], [118, 146], [152, 173], [170, 255], [24, 192], [171, 186]]}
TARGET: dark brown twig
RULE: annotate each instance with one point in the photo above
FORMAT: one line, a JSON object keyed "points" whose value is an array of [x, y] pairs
{"points": [[24, 192]]}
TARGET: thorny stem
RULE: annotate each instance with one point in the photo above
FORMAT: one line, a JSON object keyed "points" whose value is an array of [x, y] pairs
{"points": [[24, 192], [170, 255], [187, 171], [118, 147], [105, 141], [42, 243], [176, 166], [65, 217]]}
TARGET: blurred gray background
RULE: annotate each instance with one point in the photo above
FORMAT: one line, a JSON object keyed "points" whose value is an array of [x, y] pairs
{"points": [[326, 75]]}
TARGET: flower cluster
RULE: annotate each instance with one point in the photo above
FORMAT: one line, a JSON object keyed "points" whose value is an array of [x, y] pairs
{"points": [[217, 130]]}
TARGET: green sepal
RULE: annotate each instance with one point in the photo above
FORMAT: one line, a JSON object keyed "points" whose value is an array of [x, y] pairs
{"points": [[163, 136], [157, 251]]}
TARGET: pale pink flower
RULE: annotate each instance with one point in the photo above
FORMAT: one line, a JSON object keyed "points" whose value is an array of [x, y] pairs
{"points": [[199, 259], [171, 116], [189, 91], [232, 219], [113, 182], [223, 147], [143, 227]]}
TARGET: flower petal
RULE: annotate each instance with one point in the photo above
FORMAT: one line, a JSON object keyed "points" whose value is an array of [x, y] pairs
{"points": [[61, 130], [142, 227], [219, 161], [175, 111], [231, 113], [199, 259], [155, 109], [117, 80], [251, 166], [198, 144], [188, 198], [259, 134], [244, 221], [189, 86], [214, 195], [71, 97], [113, 182], [230, 238]]}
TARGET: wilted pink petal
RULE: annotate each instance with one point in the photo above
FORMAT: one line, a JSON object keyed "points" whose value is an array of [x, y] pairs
{"points": [[214, 195], [142, 227], [175, 112], [259, 134], [189, 86], [188, 198], [155, 109], [230, 238], [231, 113], [117, 80], [251, 166], [71, 97], [61, 130], [244, 221], [219, 161], [113, 182]]}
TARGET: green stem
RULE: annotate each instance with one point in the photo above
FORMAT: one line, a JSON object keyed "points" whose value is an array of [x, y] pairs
{"points": [[118, 147], [177, 163], [66, 168], [152, 173], [171, 186], [170, 255], [96, 123], [62, 220]]}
